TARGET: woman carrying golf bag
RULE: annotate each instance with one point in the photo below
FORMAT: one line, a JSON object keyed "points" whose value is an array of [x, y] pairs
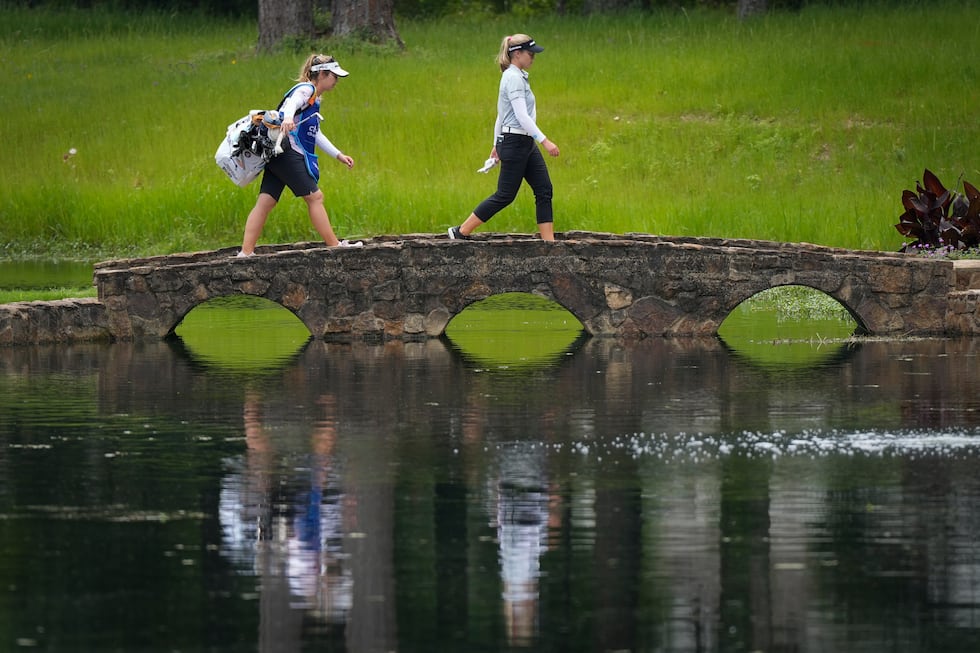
{"points": [[297, 166], [516, 135]]}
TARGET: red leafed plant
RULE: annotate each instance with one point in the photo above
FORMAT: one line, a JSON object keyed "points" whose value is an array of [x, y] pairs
{"points": [[940, 219]]}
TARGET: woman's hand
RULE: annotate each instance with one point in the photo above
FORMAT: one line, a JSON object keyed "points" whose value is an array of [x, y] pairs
{"points": [[550, 147], [346, 160]]}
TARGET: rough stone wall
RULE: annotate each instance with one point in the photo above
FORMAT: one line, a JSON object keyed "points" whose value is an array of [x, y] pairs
{"points": [[65, 320], [963, 313]]}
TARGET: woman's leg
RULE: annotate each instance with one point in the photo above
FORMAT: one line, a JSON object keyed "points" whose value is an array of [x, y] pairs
{"points": [[512, 151], [470, 224], [320, 219], [536, 174], [256, 221]]}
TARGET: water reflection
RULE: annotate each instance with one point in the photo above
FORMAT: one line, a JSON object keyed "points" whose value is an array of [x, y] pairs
{"points": [[789, 327], [308, 517], [664, 495], [284, 519], [515, 331], [242, 334], [520, 514]]}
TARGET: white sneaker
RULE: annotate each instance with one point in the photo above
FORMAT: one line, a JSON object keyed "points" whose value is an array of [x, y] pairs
{"points": [[241, 254], [347, 243]]}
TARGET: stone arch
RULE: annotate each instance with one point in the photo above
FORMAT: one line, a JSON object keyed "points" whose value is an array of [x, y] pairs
{"points": [[473, 289], [208, 296], [545, 298], [518, 331], [860, 328], [247, 333]]}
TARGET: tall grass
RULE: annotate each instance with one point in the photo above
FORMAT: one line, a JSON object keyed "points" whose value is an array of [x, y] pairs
{"points": [[800, 126]]}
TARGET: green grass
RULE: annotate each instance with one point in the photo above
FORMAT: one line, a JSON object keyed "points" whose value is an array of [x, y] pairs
{"points": [[221, 334], [514, 332], [800, 126], [789, 327], [46, 294]]}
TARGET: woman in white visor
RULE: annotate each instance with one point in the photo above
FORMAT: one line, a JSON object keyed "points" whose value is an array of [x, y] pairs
{"points": [[297, 167]]}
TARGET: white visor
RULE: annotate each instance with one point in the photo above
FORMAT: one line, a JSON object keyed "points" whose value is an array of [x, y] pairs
{"points": [[332, 66]]}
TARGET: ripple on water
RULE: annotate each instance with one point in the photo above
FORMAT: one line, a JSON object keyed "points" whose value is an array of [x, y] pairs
{"points": [[810, 444]]}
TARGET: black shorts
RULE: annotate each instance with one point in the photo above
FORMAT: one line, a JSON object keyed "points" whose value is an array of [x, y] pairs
{"points": [[287, 169]]}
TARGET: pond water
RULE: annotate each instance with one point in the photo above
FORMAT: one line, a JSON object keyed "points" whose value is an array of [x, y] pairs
{"points": [[513, 486], [37, 275]]}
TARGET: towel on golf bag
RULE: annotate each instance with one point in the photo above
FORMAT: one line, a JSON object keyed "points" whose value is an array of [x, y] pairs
{"points": [[248, 145]]}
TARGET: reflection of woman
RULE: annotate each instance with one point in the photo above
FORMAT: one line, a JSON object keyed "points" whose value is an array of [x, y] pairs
{"points": [[297, 166], [522, 519], [286, 522], [515, 133]]}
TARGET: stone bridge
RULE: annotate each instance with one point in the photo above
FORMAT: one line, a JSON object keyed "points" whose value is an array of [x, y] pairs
{"points": [[628, 286]]}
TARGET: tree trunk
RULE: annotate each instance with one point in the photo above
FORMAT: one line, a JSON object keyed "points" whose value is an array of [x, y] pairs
{"points": [[749, 8], [279, 19], [371, 20]]}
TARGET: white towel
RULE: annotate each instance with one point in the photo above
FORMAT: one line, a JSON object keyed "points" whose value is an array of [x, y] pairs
{"points": [[488, 164]]}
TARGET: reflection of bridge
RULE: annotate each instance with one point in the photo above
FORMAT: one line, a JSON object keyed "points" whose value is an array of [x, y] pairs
{"points": [[410, 287], [628, 286]]}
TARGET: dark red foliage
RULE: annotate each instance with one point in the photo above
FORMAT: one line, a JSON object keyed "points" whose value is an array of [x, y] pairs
{"points": [[938, 218]]}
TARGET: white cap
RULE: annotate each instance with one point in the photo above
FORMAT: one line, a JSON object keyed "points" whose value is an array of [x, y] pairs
{"points": [[332, 66]]}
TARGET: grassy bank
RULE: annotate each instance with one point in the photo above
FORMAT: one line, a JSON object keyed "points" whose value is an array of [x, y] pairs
{"points": [[797, 127]]}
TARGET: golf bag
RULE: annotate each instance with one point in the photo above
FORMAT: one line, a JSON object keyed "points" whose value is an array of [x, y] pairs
{"points": [[248, 145]]}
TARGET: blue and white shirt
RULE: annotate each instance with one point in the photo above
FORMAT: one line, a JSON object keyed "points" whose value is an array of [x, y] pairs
{"points": [[308, 136]]}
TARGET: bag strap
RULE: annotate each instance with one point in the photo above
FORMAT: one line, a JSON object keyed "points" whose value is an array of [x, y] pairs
{"points": [[309, 103]]}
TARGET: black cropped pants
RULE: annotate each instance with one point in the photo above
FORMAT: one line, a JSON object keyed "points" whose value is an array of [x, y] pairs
{"points": [[520, 159]]}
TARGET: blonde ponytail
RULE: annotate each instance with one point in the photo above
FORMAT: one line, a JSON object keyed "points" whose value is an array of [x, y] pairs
{"points": [[503, 57]]}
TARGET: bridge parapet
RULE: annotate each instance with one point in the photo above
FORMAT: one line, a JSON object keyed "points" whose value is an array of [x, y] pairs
{"points": [[628, 286]]}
